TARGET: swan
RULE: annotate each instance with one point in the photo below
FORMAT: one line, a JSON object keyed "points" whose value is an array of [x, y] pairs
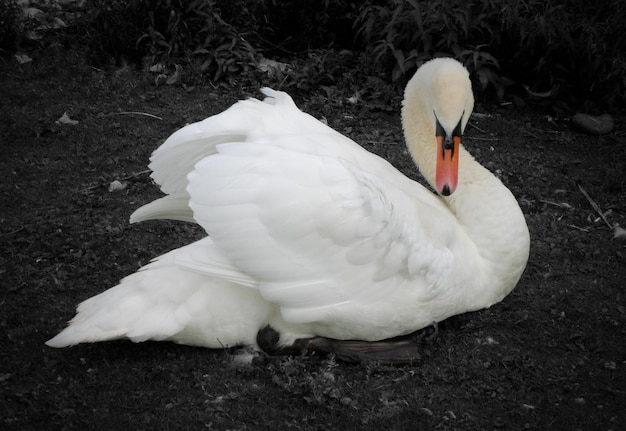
{"points": [[313, 242]]}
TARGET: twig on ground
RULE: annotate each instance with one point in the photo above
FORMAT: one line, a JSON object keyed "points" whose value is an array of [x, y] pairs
{"points": [[474, 126], [547, 131], [19, 229], [556, 204], [380, 142], [133, 113], [594, 205], [578, 228], [532, 135], [473, 138]]}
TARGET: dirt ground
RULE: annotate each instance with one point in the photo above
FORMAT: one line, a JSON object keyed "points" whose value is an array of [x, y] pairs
{"points": [[552, 355]]}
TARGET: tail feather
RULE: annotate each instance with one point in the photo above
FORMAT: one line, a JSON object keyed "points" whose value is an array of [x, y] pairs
{"points": [[128, 310], [172, 207], [166, 301], [191, 295]]}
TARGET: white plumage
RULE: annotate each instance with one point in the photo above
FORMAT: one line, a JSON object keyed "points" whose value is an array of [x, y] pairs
{"points": [[311, 234]]}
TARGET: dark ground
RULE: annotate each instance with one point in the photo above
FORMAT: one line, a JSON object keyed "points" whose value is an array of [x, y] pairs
{"points": [[552, 355]]}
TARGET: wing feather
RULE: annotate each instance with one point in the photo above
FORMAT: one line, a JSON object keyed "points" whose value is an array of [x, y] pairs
{"points": [[247, 120], [323, 228], [321, 235]]}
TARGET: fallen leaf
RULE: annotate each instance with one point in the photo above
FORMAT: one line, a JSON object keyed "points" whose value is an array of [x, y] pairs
{"points": [[32, 12], [271, 67], [57, 23], [157, 68], [23, 58], [160, 79], [619, 233], [65, 119], [175, 77], [116, 186]]}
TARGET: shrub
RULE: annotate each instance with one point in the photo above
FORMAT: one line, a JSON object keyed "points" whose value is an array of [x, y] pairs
{"points": [[222, 39], [9, 25], [111, 29], [402, 34], [196, 32], [571, 46], [298, 26], [172, 31], [572, 49]]}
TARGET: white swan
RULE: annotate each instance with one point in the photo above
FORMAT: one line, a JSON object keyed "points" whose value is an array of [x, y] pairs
{"points": [[312, 236]]}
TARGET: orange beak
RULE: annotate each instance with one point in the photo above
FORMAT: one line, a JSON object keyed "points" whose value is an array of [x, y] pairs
{"points": [[447, 169]]}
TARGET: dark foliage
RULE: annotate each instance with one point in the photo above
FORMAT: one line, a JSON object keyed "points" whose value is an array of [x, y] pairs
{"points": [[571, 49], [9, 25], [569, 53]]}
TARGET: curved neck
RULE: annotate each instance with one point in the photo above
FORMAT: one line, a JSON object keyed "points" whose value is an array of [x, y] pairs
{"points": [[485, 209]]}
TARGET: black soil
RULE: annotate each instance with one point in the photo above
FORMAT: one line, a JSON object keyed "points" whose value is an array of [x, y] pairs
{"points": [[552, 355]]}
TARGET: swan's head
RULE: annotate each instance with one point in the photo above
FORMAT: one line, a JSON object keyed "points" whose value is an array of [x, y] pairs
{"points": [[438, 102]]}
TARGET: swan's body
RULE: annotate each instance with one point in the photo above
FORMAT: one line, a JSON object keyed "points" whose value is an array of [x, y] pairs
{"points": [[314, 236]]}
